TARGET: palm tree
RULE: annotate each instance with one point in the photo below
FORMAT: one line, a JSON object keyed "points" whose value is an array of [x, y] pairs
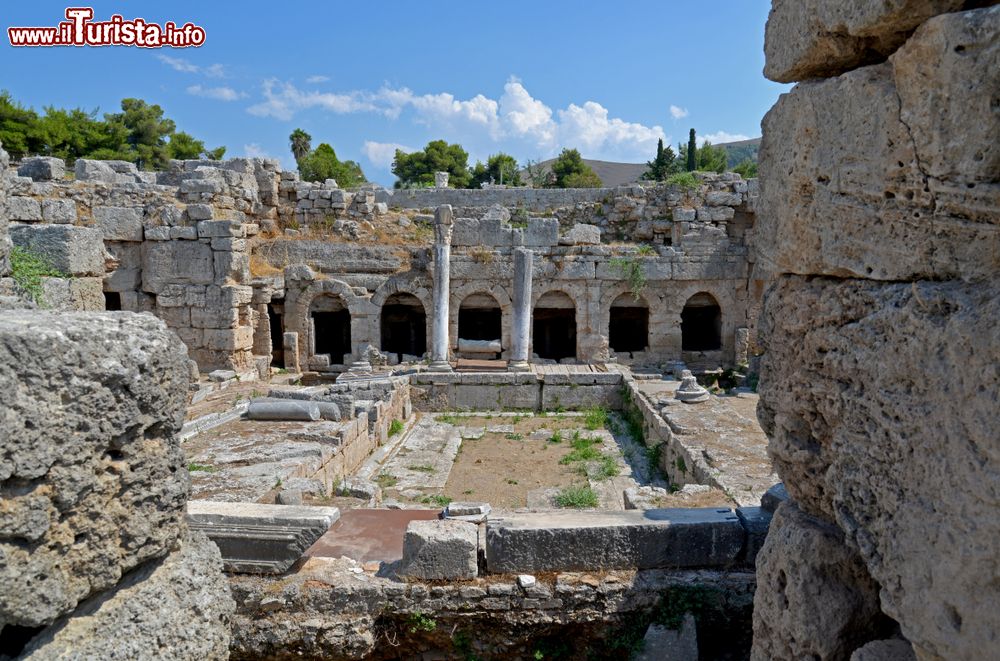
{"points": [[300, 141]]}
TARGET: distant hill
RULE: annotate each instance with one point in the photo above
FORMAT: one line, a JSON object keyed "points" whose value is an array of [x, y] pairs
{"points": [[615, 174]]}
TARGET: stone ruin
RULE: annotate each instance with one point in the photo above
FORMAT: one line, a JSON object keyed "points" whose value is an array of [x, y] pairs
{"points": [[878, 386]]}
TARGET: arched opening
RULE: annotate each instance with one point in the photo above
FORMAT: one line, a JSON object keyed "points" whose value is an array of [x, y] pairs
{"points": [[628, 325], [275, 312], [331, 327], [554, 326], [404, 326], [701, 324], [480, 326]]}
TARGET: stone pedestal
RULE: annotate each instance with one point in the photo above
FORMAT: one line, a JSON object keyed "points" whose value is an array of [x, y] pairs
{"points": [[522, 311], [442, 279]]}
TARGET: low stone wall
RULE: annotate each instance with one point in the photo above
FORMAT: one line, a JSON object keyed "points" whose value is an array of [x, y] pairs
{"points": [[485, 391], [327, 610]]}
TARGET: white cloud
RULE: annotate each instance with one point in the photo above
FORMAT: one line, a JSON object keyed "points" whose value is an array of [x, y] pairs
{"points": [[517, 120], [217, 93], [254, 150], [677, 112], [312, 80], [382, 153], [721, 137], [182, 65], [283, 100]]}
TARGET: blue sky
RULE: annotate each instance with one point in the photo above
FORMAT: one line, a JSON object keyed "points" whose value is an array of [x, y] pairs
{"points": [[528, 78]]}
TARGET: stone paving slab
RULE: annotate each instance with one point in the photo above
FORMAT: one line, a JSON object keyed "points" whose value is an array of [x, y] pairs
{"points": [[596, 540], [424, 459]]}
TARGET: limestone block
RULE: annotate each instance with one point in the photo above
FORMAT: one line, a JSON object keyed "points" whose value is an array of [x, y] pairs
{"points": [[184, 233], [180, 603], [918, 199], [58, 211], [119, 223], [176, 262], [26, 209], [229, 339], [684, 214], [257, 538], [894, 438], [42, 168], [581, 235], [73, 294], [819, 39], [440, 550], [76, 251], [541, 232], [86, 169], [814, 597], [219, 228], [231, 266], [158, 233], [90, 438], [595, 540], [721, 198], [199, 211]]}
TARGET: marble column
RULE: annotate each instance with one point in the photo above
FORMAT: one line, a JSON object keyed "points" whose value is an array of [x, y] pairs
{"points": [[522, 311], [442, 288]]}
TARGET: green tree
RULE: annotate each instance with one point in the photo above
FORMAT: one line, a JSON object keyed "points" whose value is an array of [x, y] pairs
{"points": [[538, 175], [571, 172], [691, 155], [17, 127], [711, 158], [499, 168], [664, 165], [746, 169], [322, 163], [301, 143], [418, 168]]}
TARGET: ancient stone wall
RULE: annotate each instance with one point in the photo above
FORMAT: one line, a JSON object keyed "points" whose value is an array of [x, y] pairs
{"points": [[880, 200], [180, 243]]}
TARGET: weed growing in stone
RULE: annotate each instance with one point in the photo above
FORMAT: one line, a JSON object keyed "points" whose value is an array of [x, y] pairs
{"points": [[514, 437], [448, 419], [595, 418], [556, 438], [395, 427], [576, 496], [385, 480], [435, 499], [422, 468], [203, 468], [28, 268], [420, 622]]}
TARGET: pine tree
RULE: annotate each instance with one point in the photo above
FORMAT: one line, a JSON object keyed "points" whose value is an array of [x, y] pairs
{"points": [[664, 165], [692, 155]]}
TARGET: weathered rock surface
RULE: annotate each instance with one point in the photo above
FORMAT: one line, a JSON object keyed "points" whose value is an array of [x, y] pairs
{"points": [[93, 480], [819, 38], [443, 550], [882, 415], [76, 251], [887, 172], [178, 608], [822, 603], [42, 168], [885, 650]]}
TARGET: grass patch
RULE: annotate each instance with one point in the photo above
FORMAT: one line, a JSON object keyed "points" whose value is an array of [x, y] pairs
{"points": [[435, 499], [422, 468], [595, 418], [583, 450], [556, 438], [395, 427], [28, 268], [448, 419], [577, 497], [685, 180], [385, 480], [201, 468], [514, 437], [606, 469]]}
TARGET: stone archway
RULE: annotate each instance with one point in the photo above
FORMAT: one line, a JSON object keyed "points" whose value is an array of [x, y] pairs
{"points": [[403, 326], [554, 329], [701, 323], [330, 328], [628, 324]]}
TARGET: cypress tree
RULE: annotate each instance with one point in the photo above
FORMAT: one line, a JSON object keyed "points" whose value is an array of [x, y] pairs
{"points": [[692, 160]]}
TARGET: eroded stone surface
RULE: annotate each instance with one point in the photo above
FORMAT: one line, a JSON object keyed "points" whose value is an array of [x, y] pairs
{"points": [[818, 38], [894, 438], [94, 479], [886, 172], [820, 602], [178, 606]]}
